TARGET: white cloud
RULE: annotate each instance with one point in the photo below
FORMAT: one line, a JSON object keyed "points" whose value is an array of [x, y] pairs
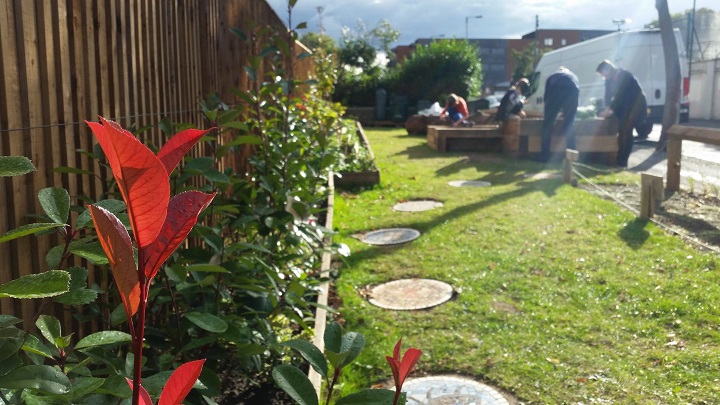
{"points": [[501, 19]]}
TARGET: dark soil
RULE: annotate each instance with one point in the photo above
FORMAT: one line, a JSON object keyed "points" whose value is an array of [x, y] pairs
{"points": [[240, 390], [693, 216]]}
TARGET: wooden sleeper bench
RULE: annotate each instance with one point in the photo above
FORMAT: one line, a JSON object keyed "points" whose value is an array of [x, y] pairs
{"points": [[479, 138]]}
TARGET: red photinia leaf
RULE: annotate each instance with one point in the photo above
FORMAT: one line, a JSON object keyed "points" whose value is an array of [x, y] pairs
{"points": [[173, 151], [395, 368], [410, 358], [141, 177], [118, 247], [402, 367], [182, 215], [144, 396], [180, 383]]}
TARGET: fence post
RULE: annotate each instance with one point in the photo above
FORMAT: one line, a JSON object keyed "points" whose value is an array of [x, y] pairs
{"points": [[651, 192], [674, 155], [571, 156]]}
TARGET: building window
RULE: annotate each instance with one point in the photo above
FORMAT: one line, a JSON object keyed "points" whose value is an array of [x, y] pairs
{"points": [[563, 42], [548, 41]]}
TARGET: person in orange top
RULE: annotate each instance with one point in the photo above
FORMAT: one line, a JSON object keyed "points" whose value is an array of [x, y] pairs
{"points": [[455, 109]]}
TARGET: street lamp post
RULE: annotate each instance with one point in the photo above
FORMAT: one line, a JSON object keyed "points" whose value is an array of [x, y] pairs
{"points": [[466, 23], [621, 22]]}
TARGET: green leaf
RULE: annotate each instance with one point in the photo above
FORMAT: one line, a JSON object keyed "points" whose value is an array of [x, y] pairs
{"points": [[310, 353], [245, 139], [92, 251], [336, 359], [9, 364], [49, 326], [48, 284], [296, 384], [216, 176], [27, 230], [301, 26], [15, 166], [83, 386], [333, 337], [34, 345], [195, 343], [201, 165], [7, 320], [55, 201], [54, 256], [72, 170], [250, 72], [206, 321], [207, 268], [117, 386], [10, 345], [113, 206], [369, 397], [239, 33], [352, 344], [78, 294], [108, 337], [41, 378], [78, 297]]}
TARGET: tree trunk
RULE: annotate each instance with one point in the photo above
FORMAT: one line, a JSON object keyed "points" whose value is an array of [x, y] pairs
{"points": [[672, 71]]}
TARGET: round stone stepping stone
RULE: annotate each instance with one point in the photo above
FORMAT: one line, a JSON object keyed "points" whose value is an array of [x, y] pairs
{"points": [[417, 205], [410, 294], [470, 183], [390, 236], [450, 390]]}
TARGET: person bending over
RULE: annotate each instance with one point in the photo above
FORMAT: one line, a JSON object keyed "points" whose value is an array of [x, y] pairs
{"points": [[562, 92], [455, 109]]}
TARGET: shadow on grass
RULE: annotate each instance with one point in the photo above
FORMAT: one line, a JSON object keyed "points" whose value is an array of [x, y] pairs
{"points": [[548, 186], [634, 233], [702, 229]]}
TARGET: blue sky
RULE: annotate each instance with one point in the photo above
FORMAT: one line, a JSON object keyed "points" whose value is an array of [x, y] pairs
{"points": [[500, 19]]}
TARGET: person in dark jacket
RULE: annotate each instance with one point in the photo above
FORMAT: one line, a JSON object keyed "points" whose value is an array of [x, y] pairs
{"points": [[512, 101], [562, 92], [624, 98]]}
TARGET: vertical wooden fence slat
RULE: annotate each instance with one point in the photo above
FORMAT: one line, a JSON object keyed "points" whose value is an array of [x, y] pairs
{"points": [[33, 146], [15, 187]]}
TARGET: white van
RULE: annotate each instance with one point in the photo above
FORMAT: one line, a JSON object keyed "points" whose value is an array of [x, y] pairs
{"points": [[638, 51]]}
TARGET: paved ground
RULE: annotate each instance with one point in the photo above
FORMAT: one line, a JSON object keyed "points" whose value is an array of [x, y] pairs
{"points": [[700, 163]]}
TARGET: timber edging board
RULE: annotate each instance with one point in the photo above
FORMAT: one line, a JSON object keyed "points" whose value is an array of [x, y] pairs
{"points": [[677, 134]]}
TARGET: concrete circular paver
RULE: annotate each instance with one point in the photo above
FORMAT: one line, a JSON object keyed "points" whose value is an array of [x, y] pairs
{"points": [[469, 183], [410, 294], [417, 206], [450, 390], [390, 236]]}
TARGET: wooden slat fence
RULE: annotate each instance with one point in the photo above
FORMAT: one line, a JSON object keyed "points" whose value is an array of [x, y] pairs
{"points": [[134, 61]]}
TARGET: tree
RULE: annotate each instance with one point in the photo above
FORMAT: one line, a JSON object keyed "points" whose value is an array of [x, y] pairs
{"points": [[360, 75], [315, 41], [440, 68], [524, 60], [672, 71]]}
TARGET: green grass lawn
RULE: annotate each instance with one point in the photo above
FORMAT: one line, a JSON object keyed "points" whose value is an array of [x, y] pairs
{"points": [[563, 297]]}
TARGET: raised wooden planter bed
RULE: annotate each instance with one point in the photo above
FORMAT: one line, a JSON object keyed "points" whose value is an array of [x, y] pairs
{"points": [[480, 138], [359, 179], [522, 137]]}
